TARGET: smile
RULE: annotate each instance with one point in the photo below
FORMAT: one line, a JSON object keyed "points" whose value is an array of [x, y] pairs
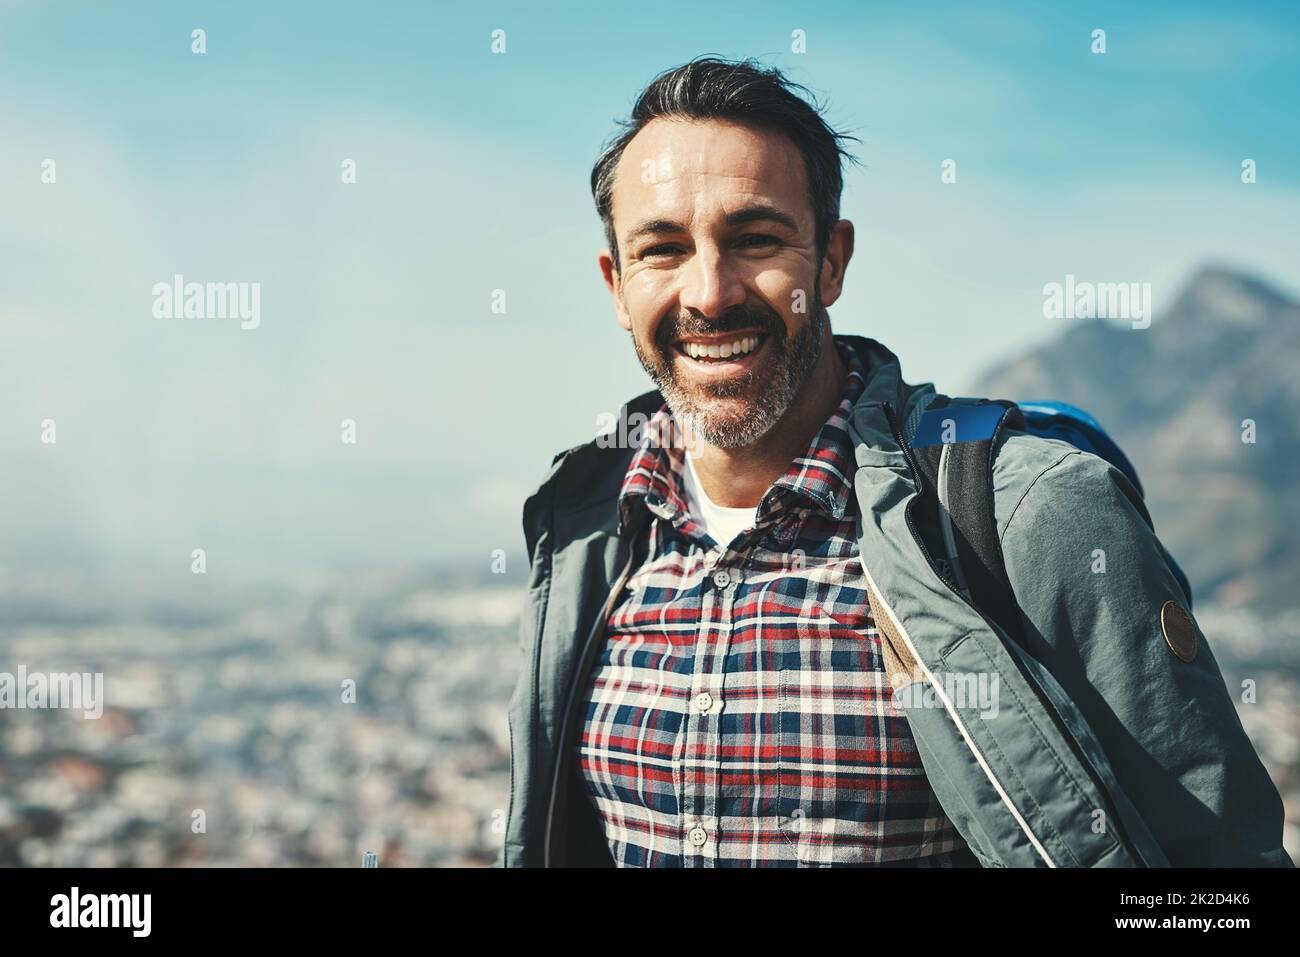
{"points": [[718, 350]]}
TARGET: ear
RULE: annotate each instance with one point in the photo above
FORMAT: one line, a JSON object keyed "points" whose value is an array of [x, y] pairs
{"points": [[607, 271], [839, 250]]}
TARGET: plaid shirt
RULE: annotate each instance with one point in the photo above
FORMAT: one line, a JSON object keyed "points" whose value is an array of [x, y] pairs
{"points": [[739, 713]]}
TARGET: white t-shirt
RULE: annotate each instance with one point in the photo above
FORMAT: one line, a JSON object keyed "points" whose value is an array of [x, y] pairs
{"points": [[722, 523]]}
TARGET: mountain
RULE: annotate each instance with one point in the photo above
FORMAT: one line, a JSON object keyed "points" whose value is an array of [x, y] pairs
{"points": [[1175, 396]]}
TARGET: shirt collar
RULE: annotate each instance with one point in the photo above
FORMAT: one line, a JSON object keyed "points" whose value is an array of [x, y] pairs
{"points": [[822, 475]]}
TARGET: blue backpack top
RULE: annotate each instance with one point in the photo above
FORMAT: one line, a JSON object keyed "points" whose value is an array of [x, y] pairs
{"points": [[953, 445], [1069, 423]]}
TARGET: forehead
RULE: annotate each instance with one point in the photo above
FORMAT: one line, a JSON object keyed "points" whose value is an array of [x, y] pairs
{"points": [[697, 166]]}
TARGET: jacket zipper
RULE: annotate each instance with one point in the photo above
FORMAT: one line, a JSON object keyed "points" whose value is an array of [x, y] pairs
{"points": [[575, 682]]}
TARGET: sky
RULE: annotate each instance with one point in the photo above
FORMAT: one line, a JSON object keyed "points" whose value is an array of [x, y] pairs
{"points": [[472, 171]]}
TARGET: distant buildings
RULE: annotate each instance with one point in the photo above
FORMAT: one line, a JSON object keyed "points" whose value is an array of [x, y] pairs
{"points": [[231, 743]]}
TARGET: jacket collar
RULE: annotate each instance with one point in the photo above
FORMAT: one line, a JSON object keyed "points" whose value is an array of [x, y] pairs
{"points": [[869, 425]]}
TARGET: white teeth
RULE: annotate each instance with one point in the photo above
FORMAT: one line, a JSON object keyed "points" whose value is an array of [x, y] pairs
{"points": [[725, 350]]}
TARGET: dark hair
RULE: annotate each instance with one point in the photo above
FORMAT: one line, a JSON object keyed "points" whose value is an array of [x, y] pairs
{"points": [[746, 91]]}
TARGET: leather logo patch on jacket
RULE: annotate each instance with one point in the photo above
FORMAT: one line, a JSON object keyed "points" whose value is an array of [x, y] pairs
{"points": [[1179, 629]]}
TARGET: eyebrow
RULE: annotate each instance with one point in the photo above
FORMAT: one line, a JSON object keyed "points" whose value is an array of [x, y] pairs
{"points": [[748, 214]]}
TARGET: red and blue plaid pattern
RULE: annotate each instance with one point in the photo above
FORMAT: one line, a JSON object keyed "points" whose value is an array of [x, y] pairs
{"points": [[739, 713]]}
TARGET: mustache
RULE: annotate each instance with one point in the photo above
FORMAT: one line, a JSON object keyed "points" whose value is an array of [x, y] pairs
{"points": [[744, 316]]}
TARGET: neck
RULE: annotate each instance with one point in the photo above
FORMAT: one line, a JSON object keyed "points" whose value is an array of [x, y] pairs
{"points": [[737, 478]]}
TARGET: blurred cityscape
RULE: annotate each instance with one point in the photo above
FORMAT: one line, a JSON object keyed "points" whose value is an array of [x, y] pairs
{"points": [[242, 716], [233, 705]]}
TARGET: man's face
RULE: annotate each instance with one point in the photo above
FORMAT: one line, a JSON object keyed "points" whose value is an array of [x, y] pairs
{"points": [[718, 285]]}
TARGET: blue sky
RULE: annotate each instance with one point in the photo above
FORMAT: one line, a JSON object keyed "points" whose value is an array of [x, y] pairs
{"points": [[472, 176]]}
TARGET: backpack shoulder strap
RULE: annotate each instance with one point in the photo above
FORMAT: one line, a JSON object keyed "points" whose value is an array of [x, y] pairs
{"points": [[954, 445]]}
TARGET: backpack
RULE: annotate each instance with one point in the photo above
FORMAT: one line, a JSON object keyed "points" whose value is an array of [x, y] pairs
{"points": [[953, 445]]}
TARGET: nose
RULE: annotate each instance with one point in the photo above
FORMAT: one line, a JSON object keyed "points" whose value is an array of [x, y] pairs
{"points": [[709, 285]]}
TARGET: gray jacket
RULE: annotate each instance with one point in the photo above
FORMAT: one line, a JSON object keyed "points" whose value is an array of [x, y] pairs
{"points": [[1105, 748]]}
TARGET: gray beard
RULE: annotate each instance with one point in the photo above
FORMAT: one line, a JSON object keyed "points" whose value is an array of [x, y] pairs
{"points": [[794, 361]]}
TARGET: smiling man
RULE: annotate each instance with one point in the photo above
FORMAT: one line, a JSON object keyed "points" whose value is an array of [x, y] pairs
{"points": [[748, 628]]}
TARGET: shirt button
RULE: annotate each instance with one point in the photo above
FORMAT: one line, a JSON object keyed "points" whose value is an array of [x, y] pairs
{"points": [[703, 702], [699, 837], [721, 579]]}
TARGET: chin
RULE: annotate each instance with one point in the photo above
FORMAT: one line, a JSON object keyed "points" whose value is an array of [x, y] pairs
{"points": [[731, 430]]}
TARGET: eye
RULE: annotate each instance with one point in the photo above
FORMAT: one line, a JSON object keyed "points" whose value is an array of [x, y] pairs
{"points": [[758, 241], [663, 249]]}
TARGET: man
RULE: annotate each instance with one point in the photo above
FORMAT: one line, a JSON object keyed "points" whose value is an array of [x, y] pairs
{"points": [[735, 649]]}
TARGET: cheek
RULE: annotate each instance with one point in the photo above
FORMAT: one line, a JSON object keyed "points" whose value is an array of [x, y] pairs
{"points": [[789, 295], [647, 297]]}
